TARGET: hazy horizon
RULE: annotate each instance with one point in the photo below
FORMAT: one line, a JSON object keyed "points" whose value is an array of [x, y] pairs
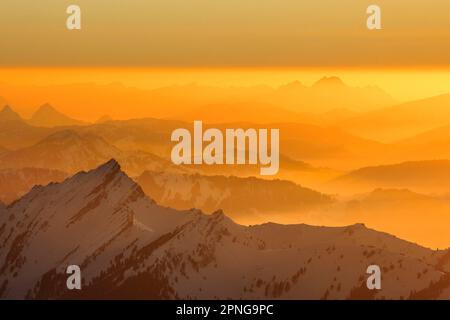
{"points": [[396, 82], [176, 33]]}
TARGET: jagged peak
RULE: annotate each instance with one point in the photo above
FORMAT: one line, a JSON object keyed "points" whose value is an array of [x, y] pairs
{"points": [[48, 116], [7, 113], [292, 85], [47, 110], [110, 165]]}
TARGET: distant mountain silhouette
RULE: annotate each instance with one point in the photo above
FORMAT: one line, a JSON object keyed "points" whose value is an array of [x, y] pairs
{"points": [[294, 102], [322, 146], [409, 215], [70, 151], [401, 121], [420, 176], [249, 200], [65, 150], [177, 100], [329, 82], [247, 111], [48, 116], [17, 133], [326, 146], [8, 114], [430, 138], [330, 93]]}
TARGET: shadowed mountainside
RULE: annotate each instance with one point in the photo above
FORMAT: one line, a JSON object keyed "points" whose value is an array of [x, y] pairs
{"points": [[245, 199], [122, 240]]}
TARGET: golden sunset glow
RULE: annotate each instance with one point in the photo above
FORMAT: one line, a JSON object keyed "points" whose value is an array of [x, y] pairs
{"points": [[234, 33], [238, 149], [379, 112]]}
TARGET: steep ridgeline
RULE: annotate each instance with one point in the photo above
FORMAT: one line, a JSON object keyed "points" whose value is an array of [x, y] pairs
{"points": [[48, 116], [244, 199], [127, 246]]}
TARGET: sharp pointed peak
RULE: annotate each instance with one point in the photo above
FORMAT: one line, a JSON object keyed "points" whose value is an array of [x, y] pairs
{"points": [[46, 106], [7, 108], [110, 166], [106, 169], [218, 213], [48, 116], [7, 113]]}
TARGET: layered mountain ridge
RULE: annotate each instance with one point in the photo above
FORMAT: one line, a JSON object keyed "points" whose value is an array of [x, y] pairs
{"points": [[244, 199], [128, 246], [48, 116]]}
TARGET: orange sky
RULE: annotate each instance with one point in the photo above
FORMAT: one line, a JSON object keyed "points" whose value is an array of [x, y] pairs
{"points": [[157, 43], [192, 33]]}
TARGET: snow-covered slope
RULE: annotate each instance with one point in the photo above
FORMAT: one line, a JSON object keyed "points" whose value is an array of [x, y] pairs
{"points": [[130, 247], [73, 222]]}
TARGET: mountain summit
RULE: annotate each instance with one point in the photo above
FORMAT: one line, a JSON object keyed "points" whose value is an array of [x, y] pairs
{"points": [[8, 114], [89, 217], [48, 116], [332, 81]]}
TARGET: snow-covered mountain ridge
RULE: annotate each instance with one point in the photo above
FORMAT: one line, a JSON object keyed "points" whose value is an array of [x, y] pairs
{"points": [[128, 246]]}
